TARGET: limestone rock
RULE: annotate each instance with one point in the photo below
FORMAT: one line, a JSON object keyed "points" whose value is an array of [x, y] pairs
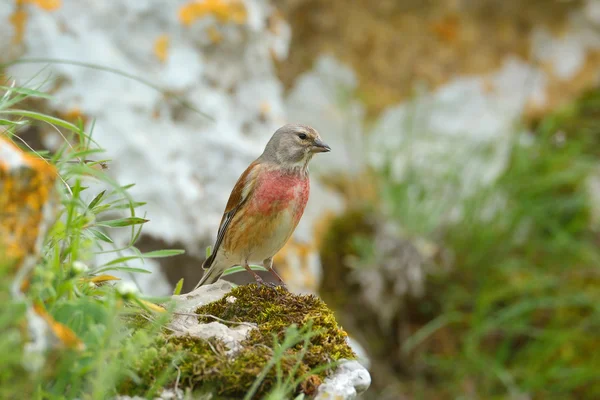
{"points": [[218, 57], [227, 334], [186, 323], [349, 380]]}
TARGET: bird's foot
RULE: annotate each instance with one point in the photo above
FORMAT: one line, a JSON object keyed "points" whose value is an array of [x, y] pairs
{"points": [[272, 285]]}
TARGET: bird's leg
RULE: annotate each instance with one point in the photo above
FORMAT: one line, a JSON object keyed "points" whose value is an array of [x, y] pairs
{"points": [[257, 278], [268, 264]]}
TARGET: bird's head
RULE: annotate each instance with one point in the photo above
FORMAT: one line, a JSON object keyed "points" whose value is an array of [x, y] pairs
{"points": [[293, 145]]}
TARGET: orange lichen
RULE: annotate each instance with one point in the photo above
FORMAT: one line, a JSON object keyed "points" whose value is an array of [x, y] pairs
{"points": [[161, 47], [224, 11], [446, 29], [25, 192], [73, 115], [18, 20], [61, 331]]}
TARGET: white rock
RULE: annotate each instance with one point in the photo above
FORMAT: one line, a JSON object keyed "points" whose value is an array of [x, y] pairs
{"points": [[231, 336], [189, 302], [456, 138], [187, 323], [349, 380], [183, 164], [568, 51]]}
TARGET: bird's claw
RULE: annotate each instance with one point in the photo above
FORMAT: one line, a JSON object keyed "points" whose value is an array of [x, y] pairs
{"points": [[271, 285]]}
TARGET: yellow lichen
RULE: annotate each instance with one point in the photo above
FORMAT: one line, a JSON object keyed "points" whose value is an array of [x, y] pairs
{"points": [[48, 5], [224, 11], [161, 47], [24, 194], [18, 20]]}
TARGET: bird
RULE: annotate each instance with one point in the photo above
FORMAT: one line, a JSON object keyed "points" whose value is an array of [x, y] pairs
{"points": [[265, 204]]}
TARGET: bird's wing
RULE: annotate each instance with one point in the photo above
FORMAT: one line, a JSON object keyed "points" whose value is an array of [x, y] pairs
{"points": [[240, 193]]}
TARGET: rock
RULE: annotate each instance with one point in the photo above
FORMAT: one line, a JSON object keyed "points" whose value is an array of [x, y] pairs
{"points": [[203, 295], [349, 380], [218, 57], [228, 80], [167, 394], [187, 323], [225, 337]]}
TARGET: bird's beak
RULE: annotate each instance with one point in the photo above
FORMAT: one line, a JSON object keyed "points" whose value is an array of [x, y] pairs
{"points": [[320, 146]]}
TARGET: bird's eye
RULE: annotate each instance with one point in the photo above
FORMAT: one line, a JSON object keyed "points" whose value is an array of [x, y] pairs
{"points": [[302, 136]]}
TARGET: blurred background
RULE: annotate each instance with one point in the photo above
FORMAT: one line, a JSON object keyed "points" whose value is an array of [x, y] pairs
{"points": [[454, 226]]}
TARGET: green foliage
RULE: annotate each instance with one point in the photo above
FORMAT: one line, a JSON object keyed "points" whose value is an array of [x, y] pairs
{"points": [[519, 309], [274, 309], [63, 284]]}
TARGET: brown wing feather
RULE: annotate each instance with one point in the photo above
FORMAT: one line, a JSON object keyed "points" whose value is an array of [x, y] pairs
{"points": [[240, 193]]}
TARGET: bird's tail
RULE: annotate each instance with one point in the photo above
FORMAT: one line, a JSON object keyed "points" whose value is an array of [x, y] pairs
{"points": [[211, 275]]}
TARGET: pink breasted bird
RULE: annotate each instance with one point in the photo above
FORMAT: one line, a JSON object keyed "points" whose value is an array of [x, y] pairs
{"points": [[266, 204]]}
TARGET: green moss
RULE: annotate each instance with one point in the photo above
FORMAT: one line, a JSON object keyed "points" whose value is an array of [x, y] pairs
{"points": [[204, 366], [273, 310], [136, 321]]}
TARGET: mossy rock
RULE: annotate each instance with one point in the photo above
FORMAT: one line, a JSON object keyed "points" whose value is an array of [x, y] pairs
{"points": [[207, 366]]}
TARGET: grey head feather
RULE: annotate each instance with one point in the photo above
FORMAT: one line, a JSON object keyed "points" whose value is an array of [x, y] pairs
{"points": [[291, 146]]}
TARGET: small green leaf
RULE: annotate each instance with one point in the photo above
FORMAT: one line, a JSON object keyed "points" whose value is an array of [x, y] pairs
{"points": [[101, 208], [124, 206], [79, 155], [121, 260], [42, 117], [208, 251], [162, 253], [121, 222], [151, 254], [101, 236], [11, 123], [238, 268], [126, 269], [96, 199], [25, 91], [178, 287]]}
